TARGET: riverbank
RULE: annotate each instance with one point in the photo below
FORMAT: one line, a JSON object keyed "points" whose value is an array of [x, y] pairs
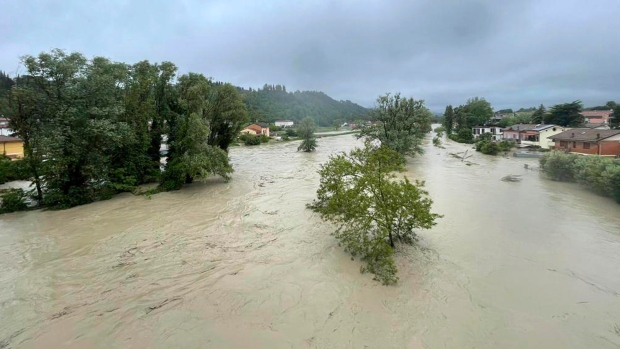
{"points": [[245, 264]]}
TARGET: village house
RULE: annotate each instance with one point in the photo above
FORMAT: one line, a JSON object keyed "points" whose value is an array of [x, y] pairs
{"points": [[533, 135], [587, 141], [597, 116], [284, 123], [495, 131], [12, 147], [256, 129]]}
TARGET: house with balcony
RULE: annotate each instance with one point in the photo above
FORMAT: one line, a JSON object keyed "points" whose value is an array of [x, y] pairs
{"points": [[532, 135], [587, 141], [257, 129]]}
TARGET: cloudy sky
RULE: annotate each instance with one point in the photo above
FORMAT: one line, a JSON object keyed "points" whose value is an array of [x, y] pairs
{"points": [[515, 53]]}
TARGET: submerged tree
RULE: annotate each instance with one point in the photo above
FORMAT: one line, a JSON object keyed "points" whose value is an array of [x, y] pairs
{"points": [[306, 133], [448, 121], [371, 208], [402, 124]]}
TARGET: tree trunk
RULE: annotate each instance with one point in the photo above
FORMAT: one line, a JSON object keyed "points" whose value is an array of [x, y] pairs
{"points": [[391, 240], [188, 179]]}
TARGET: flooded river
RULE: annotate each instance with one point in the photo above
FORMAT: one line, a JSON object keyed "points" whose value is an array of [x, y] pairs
{"points": [[530, 264]]}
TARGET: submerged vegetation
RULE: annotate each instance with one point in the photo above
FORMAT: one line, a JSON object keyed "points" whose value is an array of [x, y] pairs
{"points": [[361, 194], [598, 174], [306, 133], [93, 127]]}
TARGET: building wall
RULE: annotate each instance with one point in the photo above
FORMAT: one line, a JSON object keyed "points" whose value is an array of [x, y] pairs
{"points": [[544, 135], [5, 131], [514, 135], [12, 149], [610, 148], [284, 123]]}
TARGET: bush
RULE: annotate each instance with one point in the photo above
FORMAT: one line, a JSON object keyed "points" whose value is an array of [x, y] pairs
{"points": [[252, 140], [275, 128], [599, 174], [12, 170], [464, 135], [13, 200], [505, 145], [488, 147], [263, 139], [559, 166], [291, 132]]}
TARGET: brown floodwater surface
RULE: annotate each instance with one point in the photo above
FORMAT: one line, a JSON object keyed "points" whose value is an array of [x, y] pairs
{"points": [[530, 264]]}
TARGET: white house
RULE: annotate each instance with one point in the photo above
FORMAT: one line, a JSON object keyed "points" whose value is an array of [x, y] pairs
{"points": [[495, 131], [533, 135], [284, 123]]}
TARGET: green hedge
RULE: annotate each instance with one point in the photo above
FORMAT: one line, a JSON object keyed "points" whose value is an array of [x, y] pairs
{"points": [[599, 174]]}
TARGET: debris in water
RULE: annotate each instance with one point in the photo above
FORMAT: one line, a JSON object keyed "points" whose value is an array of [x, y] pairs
{"points": [[512, 178]]}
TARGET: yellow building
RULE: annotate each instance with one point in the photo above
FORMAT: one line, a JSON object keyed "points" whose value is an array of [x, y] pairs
{"points": [[12, 147]]}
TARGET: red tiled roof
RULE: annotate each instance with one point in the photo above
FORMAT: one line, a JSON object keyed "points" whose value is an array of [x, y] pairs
{"points": [[585, 134]]}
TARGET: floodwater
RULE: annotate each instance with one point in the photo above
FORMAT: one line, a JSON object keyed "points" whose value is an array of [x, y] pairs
{"points": [[530, 264]]}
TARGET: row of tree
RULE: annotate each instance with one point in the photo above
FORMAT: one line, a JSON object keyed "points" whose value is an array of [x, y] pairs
{"points": [[93, 127], [361, 194]]}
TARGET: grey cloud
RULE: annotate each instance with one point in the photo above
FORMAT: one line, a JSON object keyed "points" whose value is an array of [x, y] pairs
{"points": [[514, 53]]}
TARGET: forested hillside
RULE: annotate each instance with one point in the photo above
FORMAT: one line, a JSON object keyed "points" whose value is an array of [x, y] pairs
{"points": [[273, 103]]}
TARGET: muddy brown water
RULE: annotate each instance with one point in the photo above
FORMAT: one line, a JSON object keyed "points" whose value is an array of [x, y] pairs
{"points": [[530, 264]]}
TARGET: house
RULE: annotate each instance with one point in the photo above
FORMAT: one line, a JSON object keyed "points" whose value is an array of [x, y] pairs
{"points": [[597, 116], [4, 127], [587, 141], [257, 129], [284, 123], [12, 147], [533, 135], [495, 131]]}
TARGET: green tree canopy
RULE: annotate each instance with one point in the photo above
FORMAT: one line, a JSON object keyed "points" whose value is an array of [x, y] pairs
{"points": [[402, 124], [306, 133], [567, 114], [371, 208]]}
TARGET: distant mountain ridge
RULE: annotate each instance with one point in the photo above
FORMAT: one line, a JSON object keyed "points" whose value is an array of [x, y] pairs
{"points": [[273, 102]]}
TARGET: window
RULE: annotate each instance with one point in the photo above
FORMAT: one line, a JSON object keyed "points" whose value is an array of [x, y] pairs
{"points": [[586, 145], [563, 144]]}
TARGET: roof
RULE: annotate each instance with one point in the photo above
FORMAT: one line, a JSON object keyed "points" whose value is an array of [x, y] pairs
{"points": [[528, 127], [585, 134], [595, 125], [597, 113], [5, 139]]}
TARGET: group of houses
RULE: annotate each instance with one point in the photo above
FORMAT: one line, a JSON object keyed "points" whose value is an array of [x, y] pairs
{"points": [[594, 138]]}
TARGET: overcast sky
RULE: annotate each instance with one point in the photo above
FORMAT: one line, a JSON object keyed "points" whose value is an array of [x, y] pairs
{"points": [[515, 53]]}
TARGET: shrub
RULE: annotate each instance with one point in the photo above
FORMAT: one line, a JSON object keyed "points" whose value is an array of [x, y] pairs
{"points": [[291, 132], [252, 140], [464, 135], [589, 172], [611, 178], [263, 139], [13, 200], [559, 166], [12, 170]]}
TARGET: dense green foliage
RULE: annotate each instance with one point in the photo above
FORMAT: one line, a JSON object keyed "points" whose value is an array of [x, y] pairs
{"points": [[13, 200], [371, 208], [448, 121], [614, 121], [489, 147], [92, 128], [539, 114], [12, 170], [464, 135], [249, 139], [518, 118], [306, 133], [273, 103], [597, 173], [567, 114], [402, 124], [6, 83]]}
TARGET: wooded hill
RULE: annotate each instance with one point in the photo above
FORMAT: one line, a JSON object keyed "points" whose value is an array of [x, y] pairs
{"points": [[273, 102]]}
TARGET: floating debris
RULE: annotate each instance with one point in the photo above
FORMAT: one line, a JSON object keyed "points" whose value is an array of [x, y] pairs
{"points": [[512, 178]]}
